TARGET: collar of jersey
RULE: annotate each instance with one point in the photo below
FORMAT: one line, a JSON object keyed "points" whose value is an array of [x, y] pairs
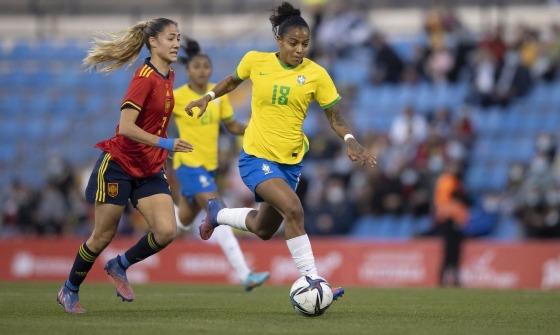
{"points": [[148, 62], [284, 65]]}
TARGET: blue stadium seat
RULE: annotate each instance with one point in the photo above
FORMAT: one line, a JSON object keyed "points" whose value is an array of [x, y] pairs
{"points": [[367, 96], [350, 73], [507, 229], [423, 224], [404, 49], [13, 104], [34, 129], [476, 177], [405, 227], [549, 122], [423, 100], [7, 153], [386, 226], [364, 227], [522, 148], [22, 51], [497, 178], [511, 123], [39, 104], [71, 52], [66, 105], [58, 127], [68, 80]]}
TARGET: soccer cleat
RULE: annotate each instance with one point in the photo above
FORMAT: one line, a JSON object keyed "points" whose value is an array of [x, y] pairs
{"points": [[211, 220], [337, 292], [118, 277], [69, 300], [255, 279]]}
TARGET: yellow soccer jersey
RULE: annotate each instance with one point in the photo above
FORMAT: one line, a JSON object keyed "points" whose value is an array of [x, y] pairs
{"points": [[280, 98], [202, 132]]}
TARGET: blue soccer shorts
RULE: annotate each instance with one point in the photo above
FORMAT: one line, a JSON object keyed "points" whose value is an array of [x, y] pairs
{"points": [[254, 170], [195, 180]]}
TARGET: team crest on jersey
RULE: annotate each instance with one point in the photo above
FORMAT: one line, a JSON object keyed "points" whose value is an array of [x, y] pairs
{"points": [[266, 169], [301, 79], [204, 182], [112, 189]]}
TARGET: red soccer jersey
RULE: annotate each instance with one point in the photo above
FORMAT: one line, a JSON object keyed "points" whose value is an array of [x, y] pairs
{"points": [[151, 93]]}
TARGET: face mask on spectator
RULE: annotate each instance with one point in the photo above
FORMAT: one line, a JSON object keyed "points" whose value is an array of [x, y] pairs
{"points": [[335, 195]]}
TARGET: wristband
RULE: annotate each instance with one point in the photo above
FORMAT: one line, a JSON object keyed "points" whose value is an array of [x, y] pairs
{"points": [[212, 95], [348, 136], [166, 143]]}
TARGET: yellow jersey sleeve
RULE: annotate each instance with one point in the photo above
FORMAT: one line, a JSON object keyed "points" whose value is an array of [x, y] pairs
{"points": [[243, 70], [226, 109], [326, 94]]}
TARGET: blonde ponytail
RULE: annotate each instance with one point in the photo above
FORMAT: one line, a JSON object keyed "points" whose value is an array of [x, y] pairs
{"points": [[123, 49], [116, 50]]}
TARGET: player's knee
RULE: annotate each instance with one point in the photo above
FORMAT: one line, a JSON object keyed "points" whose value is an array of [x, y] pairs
{"points": [[264, 234], [186, 219], [99, 240], [293, 212], [165, 235]]}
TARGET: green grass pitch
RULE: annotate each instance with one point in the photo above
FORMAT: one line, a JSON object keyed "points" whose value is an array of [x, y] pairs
{"points": [[30, 308]]}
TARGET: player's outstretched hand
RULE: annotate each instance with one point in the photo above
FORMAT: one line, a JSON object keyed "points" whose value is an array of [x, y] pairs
{"points": [[357, 153], [182, 145], [201, 103]]}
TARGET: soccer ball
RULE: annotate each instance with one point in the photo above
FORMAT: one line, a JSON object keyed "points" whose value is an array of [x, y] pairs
{"points": [[311, 295]]}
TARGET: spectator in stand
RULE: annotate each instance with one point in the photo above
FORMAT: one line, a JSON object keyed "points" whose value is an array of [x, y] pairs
{"points": [[415, 191], [494, 43], [19, 209], [386, 195], [537, 200], [514, 80], [463, 129], [483, 74], [440, 62], [553, 53], [52, 211], [499, 85], [387, 65], [336, 212], [430, 155], [316, 10], [342, 31], [528, 45], [440, 122], [449, 45], [408, 128]]}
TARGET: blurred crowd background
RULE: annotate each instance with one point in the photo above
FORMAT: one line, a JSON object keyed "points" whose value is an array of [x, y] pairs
{"points": [[465, 121]]}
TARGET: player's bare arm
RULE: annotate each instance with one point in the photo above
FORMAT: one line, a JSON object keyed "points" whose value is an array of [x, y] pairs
{"points": [[235, 127], [129, 129], [225, 86], [355, 151]]}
